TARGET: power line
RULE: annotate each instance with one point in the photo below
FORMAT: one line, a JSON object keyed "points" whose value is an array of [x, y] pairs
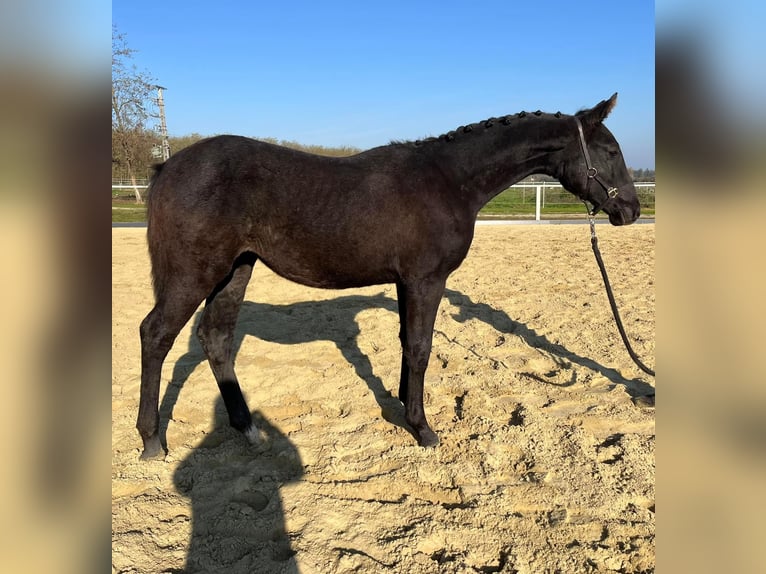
{"points": [[165, 146]]}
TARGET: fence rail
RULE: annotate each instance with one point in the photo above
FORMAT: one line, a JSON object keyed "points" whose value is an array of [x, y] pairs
{"points": [[529, 199], [126, 183], [549, 198]]}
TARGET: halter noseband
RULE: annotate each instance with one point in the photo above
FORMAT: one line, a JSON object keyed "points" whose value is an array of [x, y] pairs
{"points": [[592, 173]]}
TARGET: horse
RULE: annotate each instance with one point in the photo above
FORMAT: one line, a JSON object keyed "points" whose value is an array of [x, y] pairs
{"points": [[403, 213]]}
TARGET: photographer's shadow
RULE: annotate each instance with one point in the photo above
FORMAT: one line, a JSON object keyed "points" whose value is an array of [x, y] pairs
{"points": [[238, 523], [237, 517]]}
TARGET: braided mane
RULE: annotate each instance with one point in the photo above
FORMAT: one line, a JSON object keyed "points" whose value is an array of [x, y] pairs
{"points": [[485, 124]]}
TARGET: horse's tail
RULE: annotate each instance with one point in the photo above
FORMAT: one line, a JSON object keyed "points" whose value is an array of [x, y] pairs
{"points": [[155, 233], [157, 169]]}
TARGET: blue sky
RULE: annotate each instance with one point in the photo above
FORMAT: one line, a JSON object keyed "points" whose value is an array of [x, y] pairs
{"points": [[362, 74]]}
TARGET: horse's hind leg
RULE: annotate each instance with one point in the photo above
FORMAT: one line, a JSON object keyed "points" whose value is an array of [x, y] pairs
{"points": [[158, 332], [216, 334]]}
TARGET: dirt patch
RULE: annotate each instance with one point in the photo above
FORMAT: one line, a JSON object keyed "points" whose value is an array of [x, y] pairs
{"points": [[546, 462]]}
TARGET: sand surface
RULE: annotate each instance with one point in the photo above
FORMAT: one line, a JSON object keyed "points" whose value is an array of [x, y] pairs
{"points": [[546, 461]]}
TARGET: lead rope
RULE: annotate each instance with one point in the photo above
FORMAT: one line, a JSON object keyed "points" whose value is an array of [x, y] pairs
{"points": [[597, 253]]}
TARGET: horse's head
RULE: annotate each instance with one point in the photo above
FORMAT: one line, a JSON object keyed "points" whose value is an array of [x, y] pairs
{"points": [[594, 169]]}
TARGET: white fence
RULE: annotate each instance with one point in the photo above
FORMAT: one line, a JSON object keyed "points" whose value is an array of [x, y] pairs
{"points": [[551, 194], [127, 186], [546, 192]]}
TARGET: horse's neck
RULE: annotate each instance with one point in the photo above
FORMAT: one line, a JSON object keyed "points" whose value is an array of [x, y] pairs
{"points": [[485, 163]]}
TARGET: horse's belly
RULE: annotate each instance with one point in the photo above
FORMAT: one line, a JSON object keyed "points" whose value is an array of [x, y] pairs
{"points": [[329, 267], [340, 253]]}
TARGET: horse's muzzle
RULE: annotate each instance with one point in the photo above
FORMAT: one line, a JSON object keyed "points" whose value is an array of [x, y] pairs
{"points": [[624, 213]]}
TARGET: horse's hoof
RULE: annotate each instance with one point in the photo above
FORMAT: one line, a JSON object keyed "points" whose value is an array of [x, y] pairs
{"points": [[254, 436], [152, 450], [428, 438], [644, 401], [153, 455]]}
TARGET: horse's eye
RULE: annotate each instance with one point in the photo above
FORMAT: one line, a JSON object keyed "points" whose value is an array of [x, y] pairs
{"points": [[613, 153]]}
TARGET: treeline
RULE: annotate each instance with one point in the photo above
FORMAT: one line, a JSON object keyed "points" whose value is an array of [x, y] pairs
{"points": [[642, 174], [638, 175], [179, 143], [146, 140]]}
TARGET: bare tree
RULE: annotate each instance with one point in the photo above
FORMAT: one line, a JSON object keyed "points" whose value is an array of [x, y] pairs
{"points": [[131, 94]]}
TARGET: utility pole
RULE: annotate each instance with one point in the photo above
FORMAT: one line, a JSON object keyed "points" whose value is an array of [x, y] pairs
{"points": [[163, 125]]}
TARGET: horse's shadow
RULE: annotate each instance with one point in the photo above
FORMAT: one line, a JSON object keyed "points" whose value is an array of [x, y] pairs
{"points": [[297, 323], [501, 322], [265, 540]]}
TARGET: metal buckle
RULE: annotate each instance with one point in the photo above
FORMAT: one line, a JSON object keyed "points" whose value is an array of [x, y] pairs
{"points": [[592, 172], [591, 220], [612, 192]]}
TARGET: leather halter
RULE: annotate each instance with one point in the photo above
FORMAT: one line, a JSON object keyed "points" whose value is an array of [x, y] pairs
{"points": [[592, 173]]}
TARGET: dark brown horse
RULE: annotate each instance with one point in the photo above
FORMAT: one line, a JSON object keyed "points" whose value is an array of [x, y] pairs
{"points": [[402, 213]]}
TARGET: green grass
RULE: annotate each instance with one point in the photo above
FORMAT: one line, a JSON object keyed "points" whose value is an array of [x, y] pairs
{"points": [[521, 202], [127, 211], [511, 203], [128, 215]]}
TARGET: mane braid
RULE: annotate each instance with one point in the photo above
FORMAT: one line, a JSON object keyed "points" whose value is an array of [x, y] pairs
{"points": [[486, 124]]}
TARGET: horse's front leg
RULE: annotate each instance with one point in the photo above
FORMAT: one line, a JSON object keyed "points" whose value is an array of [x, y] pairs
{"points": [[419, 301], [401, 297]]}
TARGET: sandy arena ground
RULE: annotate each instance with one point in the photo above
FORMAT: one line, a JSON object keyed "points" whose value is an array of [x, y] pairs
{"points": [[546, 462]]}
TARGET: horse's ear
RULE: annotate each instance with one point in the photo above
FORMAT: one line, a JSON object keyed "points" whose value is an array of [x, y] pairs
{"points": [[600, 111]]}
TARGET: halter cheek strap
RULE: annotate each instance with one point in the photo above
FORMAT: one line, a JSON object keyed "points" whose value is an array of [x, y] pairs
{"points": [[592, 174]]}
